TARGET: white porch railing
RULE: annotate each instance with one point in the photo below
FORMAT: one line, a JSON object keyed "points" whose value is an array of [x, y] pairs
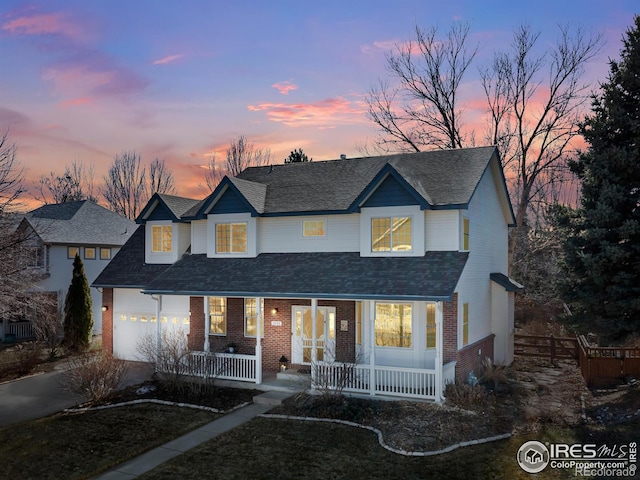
{"points": [[225, 366], [392, 381], [21, 330]]}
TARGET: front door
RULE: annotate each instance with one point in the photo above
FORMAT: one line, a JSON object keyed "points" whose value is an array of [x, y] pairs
{"points": [[302, 325]]}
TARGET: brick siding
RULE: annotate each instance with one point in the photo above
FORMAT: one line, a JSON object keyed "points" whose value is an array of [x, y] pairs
{"points": [[470, 357], [107, 320]]}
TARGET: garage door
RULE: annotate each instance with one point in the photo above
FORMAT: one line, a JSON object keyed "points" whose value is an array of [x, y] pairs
{"points": [[135, 323]]}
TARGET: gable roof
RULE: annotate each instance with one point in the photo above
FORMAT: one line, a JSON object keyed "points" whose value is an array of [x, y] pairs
{"points": [[436, 179], [173, 205], [82, 222]]}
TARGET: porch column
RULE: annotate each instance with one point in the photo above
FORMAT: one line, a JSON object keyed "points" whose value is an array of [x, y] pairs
{"points": [[372, 347], [314, 308], [158, 327], [207, 324], [439, 332], [259, 314]]}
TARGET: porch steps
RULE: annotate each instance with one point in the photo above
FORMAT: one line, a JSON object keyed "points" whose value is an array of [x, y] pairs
{"points": [[272, 397]]}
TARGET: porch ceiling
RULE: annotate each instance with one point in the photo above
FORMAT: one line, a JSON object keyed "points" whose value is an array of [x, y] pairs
{"points": [[315, 275]]}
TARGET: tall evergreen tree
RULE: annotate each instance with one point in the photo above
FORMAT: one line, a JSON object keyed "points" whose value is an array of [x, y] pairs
{"points": [[78, 316], [603, 245]]}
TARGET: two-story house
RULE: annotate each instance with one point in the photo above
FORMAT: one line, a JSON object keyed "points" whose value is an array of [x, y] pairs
{"points": [[397, 264], [56, 233]]}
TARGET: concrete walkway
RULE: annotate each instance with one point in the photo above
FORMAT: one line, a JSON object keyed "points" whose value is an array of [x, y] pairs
{"points": [[151, 459]]}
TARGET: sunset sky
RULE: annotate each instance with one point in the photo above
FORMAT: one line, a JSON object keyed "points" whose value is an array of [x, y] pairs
{"points": [[86, 80]]}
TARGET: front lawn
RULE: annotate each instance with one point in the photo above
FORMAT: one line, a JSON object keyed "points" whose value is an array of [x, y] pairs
{"points": [[76, 446]]}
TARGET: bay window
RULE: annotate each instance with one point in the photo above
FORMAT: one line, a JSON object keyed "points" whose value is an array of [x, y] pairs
{"points": [[393, 324]]}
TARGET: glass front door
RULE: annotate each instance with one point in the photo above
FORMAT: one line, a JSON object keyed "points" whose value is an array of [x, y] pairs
{"points": [[303, 339]]}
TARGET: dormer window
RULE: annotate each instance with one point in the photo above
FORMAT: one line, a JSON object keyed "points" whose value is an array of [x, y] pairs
{"points": [[231, 237], [391, 234], [161, 239]]}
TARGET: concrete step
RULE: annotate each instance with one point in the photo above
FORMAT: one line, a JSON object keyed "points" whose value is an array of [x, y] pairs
{"points": [[292, 375], [272, 397]]}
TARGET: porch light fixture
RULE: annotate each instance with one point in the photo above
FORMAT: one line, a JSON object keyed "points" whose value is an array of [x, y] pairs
{"points": [[274, 311], [104, 308]]}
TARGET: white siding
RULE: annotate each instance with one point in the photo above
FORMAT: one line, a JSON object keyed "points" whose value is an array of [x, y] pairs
{"points": [[442, 230], [488, 238], [198, 236], [284, 234], [184, 238]]}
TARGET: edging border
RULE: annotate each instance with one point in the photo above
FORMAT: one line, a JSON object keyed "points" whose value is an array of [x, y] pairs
{"points": [[157, 402], [398, 451]]}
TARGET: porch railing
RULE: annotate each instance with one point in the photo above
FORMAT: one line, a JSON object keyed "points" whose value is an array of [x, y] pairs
{"points": [[225, 366], [20, 330], [392, 381]]}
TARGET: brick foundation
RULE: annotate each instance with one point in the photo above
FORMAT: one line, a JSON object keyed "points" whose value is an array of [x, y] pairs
{"points": [[469, 359]]}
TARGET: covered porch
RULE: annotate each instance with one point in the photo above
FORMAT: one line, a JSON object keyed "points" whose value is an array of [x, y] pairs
{"points": [[339, 344]]}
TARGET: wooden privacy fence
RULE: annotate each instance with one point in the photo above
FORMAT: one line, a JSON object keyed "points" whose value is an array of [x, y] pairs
{"points": [[600, 366], [605, 366], [545, 346]]}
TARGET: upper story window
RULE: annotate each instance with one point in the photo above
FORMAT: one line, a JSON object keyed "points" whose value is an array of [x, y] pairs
{"points": [[89, 253], [161, 238], [393, 325], [217, 315], [313, 228], [34, 257], [231, 237], [465, 324], [391, 234], [72, 252], [105, 253], [465, 233]]}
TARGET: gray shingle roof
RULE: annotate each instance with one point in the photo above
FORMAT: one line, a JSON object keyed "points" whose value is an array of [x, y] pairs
{"points": [[442, 177], [127, 267], [321, 275], [81, 222], [178, 205]]}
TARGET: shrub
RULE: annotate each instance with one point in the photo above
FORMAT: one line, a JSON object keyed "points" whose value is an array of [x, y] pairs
{"points": [[467, 396], [94, 376], [493, 374]]}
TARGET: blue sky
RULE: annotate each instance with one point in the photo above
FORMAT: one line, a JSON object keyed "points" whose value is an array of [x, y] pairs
{"points": [[86, 80]]}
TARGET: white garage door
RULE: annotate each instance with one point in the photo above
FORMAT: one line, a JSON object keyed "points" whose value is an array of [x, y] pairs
{"points": [[135, 322]]}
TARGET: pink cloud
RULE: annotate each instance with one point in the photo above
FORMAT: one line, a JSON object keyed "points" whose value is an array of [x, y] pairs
{"points": [[168, 59], [321, 113], [76, 102], [43, 24], [284, 87]]}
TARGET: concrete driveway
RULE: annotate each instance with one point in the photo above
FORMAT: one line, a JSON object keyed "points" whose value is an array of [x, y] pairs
{"points": [[42, 395]]}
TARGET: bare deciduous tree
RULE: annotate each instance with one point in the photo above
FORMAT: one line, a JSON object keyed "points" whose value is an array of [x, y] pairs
{"points": [[534, 103], [242, 154], [128, 185], [11, 175], [75, 184], [423, 109]]}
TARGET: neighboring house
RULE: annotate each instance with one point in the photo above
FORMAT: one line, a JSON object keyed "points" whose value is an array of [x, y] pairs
{"points": [[58, 231], [397, 264]]}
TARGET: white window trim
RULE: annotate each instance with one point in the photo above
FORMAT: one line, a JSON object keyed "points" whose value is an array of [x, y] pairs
{"points": [[161, 257], [213, 220], [417, 230], [314, 237], [246, 240]]}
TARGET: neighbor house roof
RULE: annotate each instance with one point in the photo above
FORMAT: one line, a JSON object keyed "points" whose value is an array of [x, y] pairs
{"points": [[82, 222]]}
